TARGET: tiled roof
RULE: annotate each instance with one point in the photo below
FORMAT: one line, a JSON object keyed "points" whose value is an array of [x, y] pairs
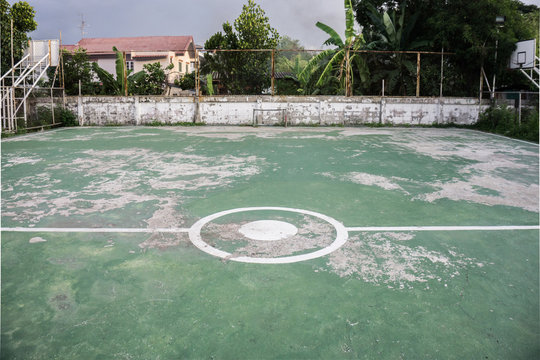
{"points": [[69, 47], [142, 43]]}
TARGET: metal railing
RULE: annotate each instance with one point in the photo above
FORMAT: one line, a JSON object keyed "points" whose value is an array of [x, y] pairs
{"points": [[15, 87]]}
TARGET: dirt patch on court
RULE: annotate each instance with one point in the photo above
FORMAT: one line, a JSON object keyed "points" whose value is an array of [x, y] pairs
{"points": [[506, 192], [493, 172], [163, 241], [19, 160], [368, 180], [383, 258], [61, 302], [313, 234], [103, 181]]}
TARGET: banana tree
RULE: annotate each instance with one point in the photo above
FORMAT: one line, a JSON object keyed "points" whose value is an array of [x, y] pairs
{"points": [[391, 32], [119, 85], [341, 58]]}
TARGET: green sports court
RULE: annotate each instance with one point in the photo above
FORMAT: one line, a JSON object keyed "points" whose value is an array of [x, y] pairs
{"points": [[269, 242]]}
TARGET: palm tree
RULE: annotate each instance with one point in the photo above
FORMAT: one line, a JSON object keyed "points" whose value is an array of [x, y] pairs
{"points": [[339, 59]]}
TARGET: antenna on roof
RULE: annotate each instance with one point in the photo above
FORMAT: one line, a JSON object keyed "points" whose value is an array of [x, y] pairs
{"points": [[83, 26]]}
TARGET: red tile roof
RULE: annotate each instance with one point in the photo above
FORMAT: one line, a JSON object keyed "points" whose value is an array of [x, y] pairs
{"points": [[142, 43], [69, 47]]}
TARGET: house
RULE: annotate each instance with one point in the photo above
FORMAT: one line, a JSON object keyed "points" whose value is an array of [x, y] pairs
{"points": [[176, 50]]}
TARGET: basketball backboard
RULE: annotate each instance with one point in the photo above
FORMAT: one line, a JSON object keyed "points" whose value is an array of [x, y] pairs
{"points": [[39, 48], [524, 55]]}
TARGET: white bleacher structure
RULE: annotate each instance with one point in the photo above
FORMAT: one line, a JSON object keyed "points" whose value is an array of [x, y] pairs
{"points": [[18, 82]]}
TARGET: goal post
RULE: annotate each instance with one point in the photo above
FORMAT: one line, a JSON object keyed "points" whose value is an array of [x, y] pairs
{"points": [[269, 117]]}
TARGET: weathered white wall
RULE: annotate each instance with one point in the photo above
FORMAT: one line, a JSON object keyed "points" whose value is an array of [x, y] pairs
{"points": [[300, 110]]}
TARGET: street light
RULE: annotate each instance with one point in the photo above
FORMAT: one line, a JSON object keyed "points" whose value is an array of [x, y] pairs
{"points": [[499, 21]]}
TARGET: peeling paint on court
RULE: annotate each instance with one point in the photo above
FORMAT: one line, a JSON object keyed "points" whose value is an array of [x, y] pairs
{"points": [[383, 258], [312, 234]]}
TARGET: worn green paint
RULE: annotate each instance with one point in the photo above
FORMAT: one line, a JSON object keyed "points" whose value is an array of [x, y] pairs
{"points": [[96, 296]]}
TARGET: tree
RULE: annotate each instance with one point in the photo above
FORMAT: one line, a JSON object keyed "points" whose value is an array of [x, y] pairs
{"points": [[77, 67], [22, 15], [392, 31], [187, 82], [340, 59], [112, 86], [242, 72], [150, 81], [467, 29], [287, 61]]}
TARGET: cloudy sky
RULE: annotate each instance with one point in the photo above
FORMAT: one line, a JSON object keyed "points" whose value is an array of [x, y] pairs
{"points": [[200, 18]]}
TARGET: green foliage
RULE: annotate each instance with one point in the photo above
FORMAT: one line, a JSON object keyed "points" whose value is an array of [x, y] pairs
{"points": [[253, 28], [338, 63], [150, 81], [76, 67], [392, 31], [43, 116], [120, 63], [187, 82], [290, 62], [209, 84], [504, 120], [23, 22], [68, 118], [466, 28], [242, 72], [109, 85]]}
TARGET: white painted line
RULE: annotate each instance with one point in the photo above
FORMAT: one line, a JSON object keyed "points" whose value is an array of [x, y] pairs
{"points": [[444, 228], [196, 238], [97, 230], [352, 229]]}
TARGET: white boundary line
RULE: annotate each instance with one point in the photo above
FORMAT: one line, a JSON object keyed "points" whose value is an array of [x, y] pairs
{"points": [[505, 137], [350, 229], [444, 228], [97, 230]]}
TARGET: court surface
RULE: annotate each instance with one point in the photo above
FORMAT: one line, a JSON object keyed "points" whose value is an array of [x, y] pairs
{"points": [[252, 243]]}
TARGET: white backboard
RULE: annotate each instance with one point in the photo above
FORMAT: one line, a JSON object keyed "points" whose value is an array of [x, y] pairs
{"points": [[524, 55], [39, 48]]}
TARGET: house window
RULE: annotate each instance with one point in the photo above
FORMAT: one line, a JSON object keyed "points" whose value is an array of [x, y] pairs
{"points": [[129, 65]]}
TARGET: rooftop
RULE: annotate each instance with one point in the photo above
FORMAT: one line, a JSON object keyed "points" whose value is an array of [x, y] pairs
{"points": [[141, 43]]}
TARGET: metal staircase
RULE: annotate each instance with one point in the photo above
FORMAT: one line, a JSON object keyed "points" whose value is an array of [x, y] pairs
{"points": [[17, 84]]}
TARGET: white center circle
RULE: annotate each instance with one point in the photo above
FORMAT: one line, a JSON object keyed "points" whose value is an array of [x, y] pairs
{"points": [[268, 230], [197, 240]]}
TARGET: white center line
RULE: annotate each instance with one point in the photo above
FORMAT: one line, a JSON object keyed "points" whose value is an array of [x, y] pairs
{"points": [[350, 229], [444, 228], [97, 230]]}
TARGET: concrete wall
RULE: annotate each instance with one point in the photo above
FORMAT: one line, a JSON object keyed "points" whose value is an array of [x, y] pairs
{"points": [[299, 110]]}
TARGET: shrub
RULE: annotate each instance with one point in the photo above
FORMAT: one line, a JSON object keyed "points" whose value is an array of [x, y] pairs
{"points": [[504, 121], [68, 118]]}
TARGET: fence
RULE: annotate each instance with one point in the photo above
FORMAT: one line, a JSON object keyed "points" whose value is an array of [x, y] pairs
{"points": [[523, 102], [302, 72]]}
